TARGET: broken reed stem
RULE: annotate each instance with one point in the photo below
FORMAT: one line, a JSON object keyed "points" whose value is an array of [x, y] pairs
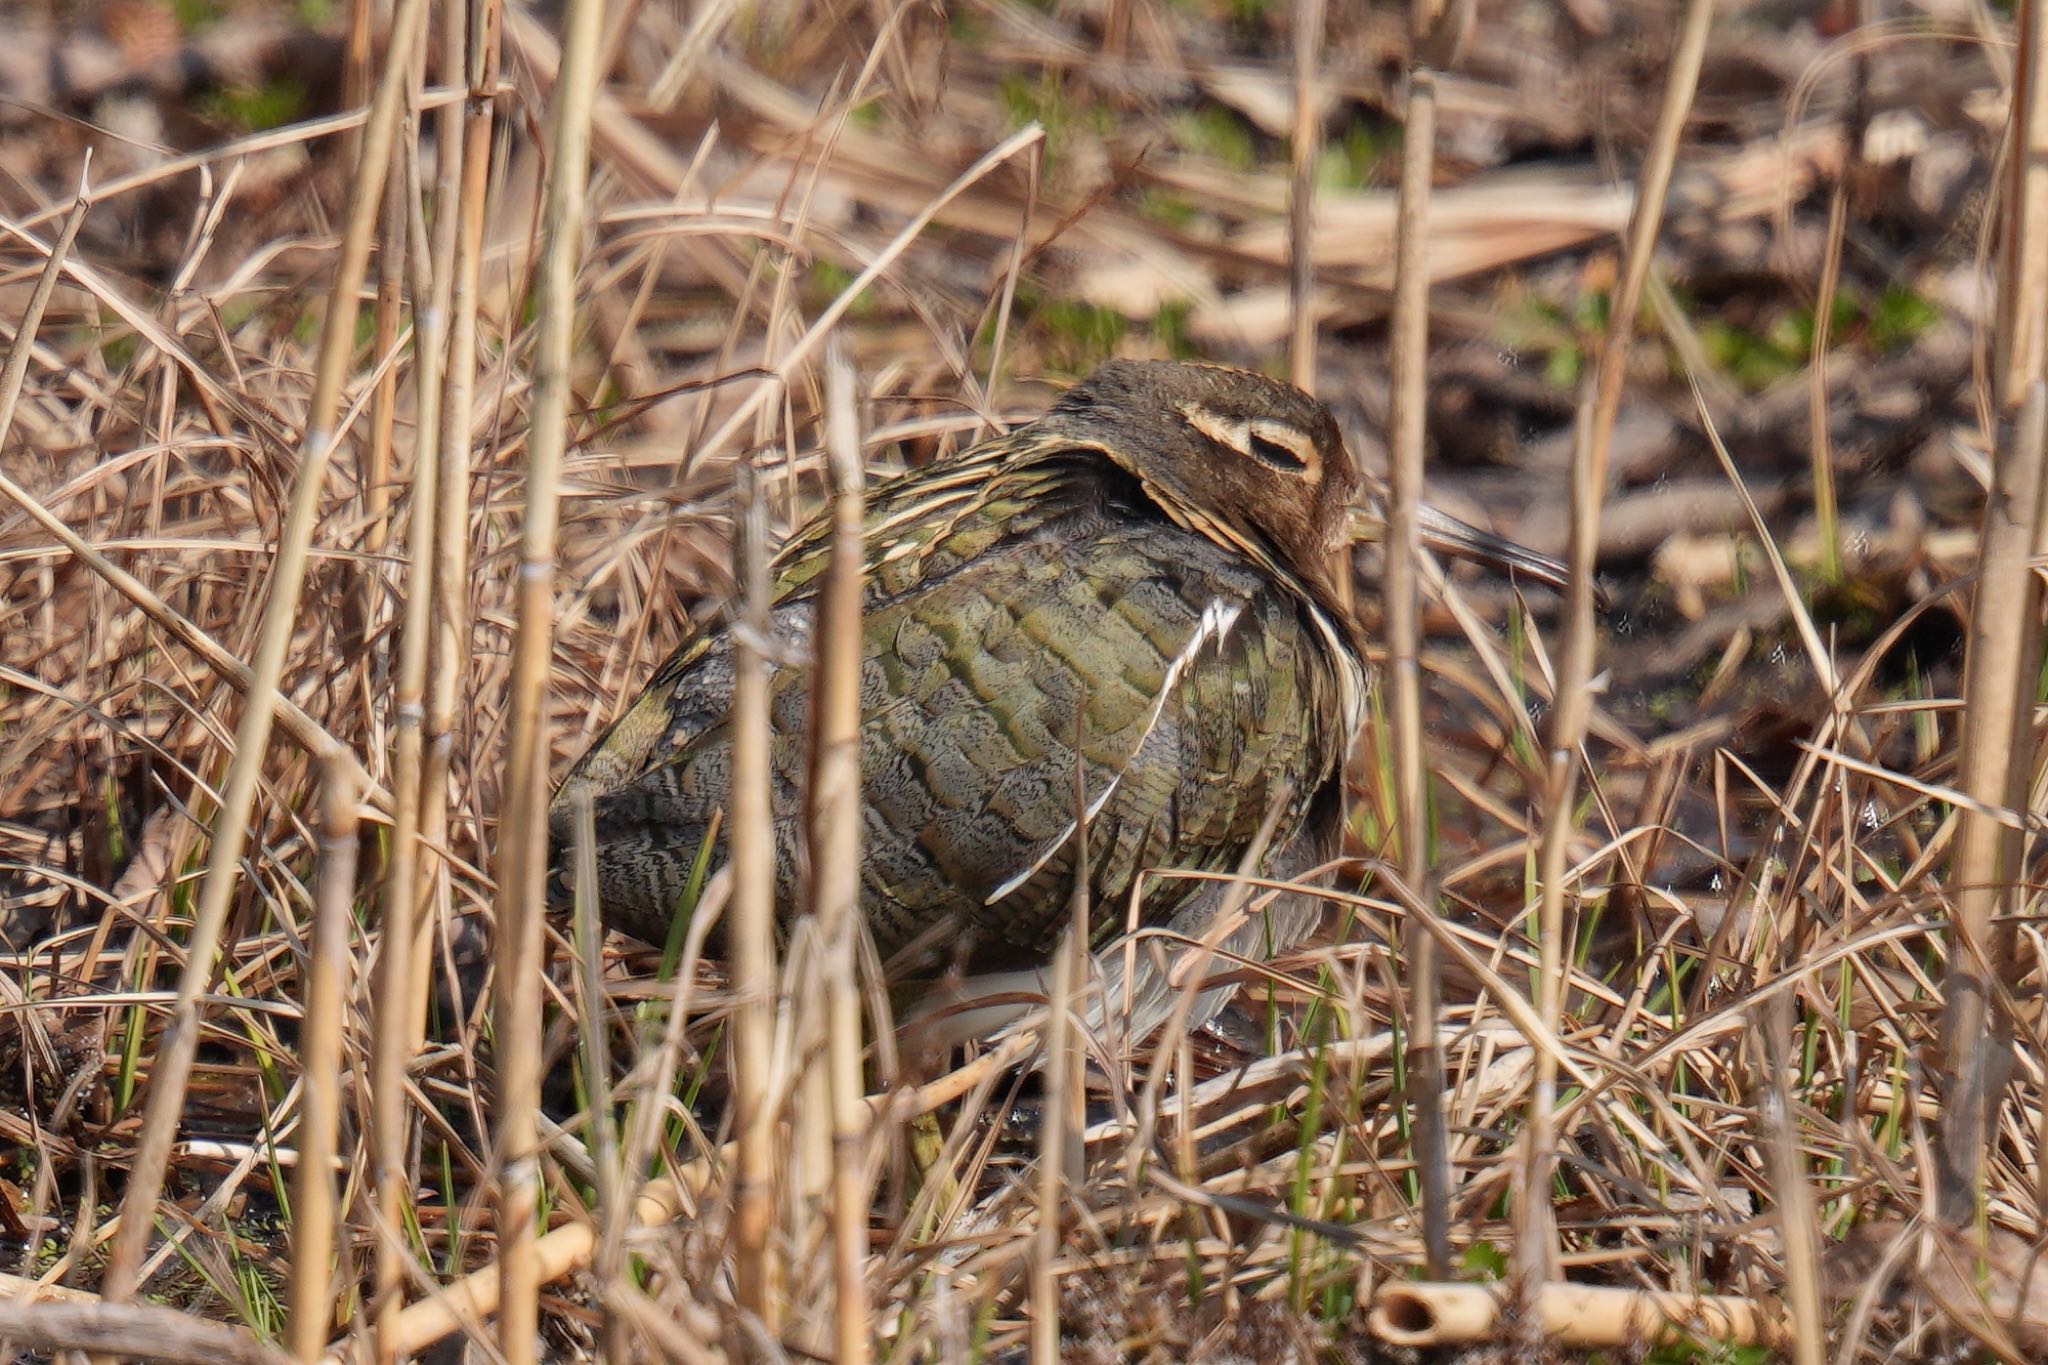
{"points": [[180, 1039], [834, 837], [1999, 673], [1306, 149], [1407, 414], [464, 180], [320, 1065], [1568, 1315], [1536, 1229], [522, 852], [750, 838]]}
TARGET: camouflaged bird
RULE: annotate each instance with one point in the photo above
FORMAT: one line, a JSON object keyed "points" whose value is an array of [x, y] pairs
{"points": [[1145, 571]]}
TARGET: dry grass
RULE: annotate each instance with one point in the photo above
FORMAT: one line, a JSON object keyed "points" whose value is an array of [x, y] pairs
{"points": [[1705, 964]]}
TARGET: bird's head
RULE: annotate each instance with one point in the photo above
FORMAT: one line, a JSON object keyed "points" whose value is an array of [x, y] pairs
{"points": [[1257, 458]]}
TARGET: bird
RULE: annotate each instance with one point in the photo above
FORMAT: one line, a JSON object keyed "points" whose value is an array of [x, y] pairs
{"points": [[1116, 628]]}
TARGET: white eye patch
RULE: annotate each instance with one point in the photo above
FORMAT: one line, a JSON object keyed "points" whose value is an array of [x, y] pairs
{"points": [[1276, 445]]}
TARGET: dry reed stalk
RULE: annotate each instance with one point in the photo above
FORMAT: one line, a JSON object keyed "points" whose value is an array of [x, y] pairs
{"points": [[522, 848], [327, 972], [180, 1039], [1408, 346], [2021, 335], [807, 1196], [1305, 152], [1013, 272], [464, 168], [373, 475], [392, 1045], [357, 70], [1999, 674], [1535, 1256], [834, 820], [751, 859]]}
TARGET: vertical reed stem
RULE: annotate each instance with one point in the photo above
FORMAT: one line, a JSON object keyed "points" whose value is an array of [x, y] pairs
{"points": [[751, 839], [834, 834], [327, 972], [1409, 347], [523, 833]]}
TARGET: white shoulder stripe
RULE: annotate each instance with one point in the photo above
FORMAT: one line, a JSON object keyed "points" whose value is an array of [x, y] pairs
{"points": [[1351, 688]]}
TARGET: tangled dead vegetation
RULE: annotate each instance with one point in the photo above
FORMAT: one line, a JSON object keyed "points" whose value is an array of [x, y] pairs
{"points": [[1777, 818]]}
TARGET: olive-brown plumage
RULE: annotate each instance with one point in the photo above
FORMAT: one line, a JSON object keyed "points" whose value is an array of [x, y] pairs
{"points": [[1142, 573]]}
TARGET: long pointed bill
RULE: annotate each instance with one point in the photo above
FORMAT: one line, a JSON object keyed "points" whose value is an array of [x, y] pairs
{"points": [[1446, 534]]}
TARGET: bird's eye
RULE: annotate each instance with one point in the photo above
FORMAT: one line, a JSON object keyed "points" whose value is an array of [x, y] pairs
{"points": [[1276, 445], [1280, 447], [1268, 451]]}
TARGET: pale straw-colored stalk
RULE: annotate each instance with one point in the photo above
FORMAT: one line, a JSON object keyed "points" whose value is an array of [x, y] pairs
{"points": [[834, 820], [1985, 879], [2021, 338], [750, 837], [1793, 1199], [522, 847], [392, 1045], [1987, 873], [464, 183], [1305, 150], [1061, 1057], [328, 963], [1408, 346]]}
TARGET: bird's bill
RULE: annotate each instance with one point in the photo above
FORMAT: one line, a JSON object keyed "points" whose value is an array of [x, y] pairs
{"points": [[1446, 534]]}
